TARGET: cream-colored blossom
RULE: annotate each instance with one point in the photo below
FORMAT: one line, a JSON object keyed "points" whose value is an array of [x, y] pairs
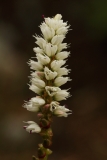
{"points": [[62, 55], [38, 82], [59, 81], [52, 90], [49, 74], [32, 127]]}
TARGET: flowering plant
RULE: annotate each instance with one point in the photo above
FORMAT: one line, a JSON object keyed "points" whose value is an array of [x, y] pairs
{"points": [[49, 73]]}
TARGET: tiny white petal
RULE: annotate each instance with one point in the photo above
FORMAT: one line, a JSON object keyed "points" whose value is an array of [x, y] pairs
{"points": [[43, 59], [35, 65], [60, 81], [63, 71], [62, 46], [39, 83], [31, 108], [48, 33], [58, 16], [32, 127], [56, 64], [38, 101], [62, 30], [61, 95], [62, 55], [41, 42], [36, 89], [49, 74], [38, 50]]}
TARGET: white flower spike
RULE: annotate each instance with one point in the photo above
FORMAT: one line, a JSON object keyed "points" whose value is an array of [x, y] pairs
{"points": [[49, 73]]}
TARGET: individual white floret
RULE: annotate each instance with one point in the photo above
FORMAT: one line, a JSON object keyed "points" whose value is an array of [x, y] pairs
{"points": [[43, 59], [62, 46], [35, 65], [59, 81], [58, 110], [47, 32], [38, 50], [58, 17], [38, 82], [56, 40], [40, 42], [61, 95], [32, 127], [50, 49], [36, 89], [56, 64], [34, 104], [62, 55], [49, 74], [63, 71], [52, 90], [62, 30]]}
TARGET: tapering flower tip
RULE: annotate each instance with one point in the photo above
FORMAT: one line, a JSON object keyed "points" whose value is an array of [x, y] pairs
{"points": [[58, 110], [58, 16], [62, 55], [52, 90], [35, 65], [56, 22], [34, 104], [43, 59], [61, 95], [32, 127], [37, 82], [59, 81], [56, 64], [49, 74], [36, 89]]}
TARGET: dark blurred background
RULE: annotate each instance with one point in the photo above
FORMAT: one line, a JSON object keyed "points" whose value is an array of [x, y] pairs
{"points": [[83, 135]]}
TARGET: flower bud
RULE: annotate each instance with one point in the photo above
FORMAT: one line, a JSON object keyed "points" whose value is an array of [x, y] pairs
{"points": [[41, 153], [44, 123], [34, 158], [47, 143]]}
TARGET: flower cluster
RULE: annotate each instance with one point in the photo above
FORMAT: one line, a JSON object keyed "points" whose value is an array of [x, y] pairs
{"points": [[49, 73]]}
